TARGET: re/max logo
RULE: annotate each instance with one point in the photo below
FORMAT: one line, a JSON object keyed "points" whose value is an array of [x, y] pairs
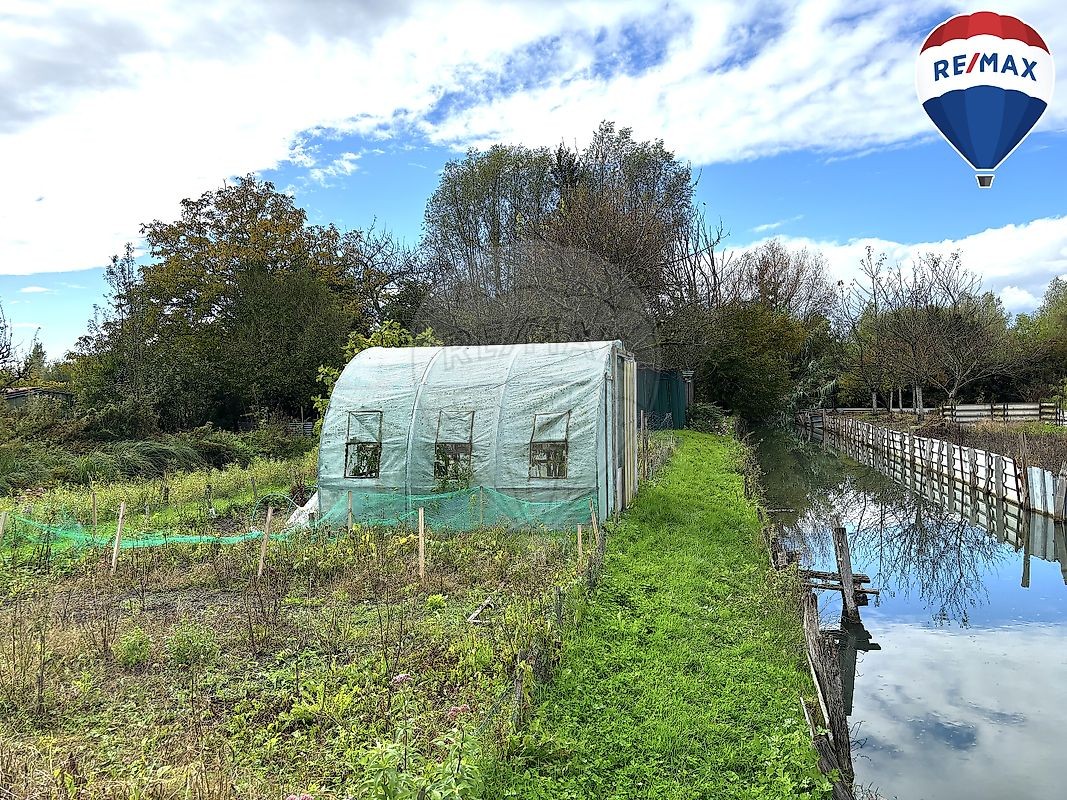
{"points": [[992, 61]]}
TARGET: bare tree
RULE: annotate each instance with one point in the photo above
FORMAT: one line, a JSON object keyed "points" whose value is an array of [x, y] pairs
{"points": [[13, 361], [857, 315]]}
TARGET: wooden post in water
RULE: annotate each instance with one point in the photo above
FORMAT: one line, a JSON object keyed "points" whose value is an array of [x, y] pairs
{"points": [[826, 673], [263, 543], [1025, 520], [844, 569], [118, 538]]}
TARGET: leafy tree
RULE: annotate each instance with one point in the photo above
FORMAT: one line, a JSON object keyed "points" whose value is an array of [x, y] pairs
{"points": [[240, 303], [390, 334]]}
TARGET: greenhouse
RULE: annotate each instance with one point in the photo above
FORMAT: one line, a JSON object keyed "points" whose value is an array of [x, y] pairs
{"points": [[499, 434]]}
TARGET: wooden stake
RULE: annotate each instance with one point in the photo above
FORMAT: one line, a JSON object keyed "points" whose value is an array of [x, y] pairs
{"points": [[263, 543], [94, 513], [596, 524], [255, 492], [118, 538], [3, 525], [350, 511], [579, 540], [422, 544], [844, 569]]}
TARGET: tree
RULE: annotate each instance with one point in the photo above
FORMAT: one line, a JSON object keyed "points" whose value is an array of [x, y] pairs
{"points": [[390, 334], [239, 304], [525, 245], [13, 363]]}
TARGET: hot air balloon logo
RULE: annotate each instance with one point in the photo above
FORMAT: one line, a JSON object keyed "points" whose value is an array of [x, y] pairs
{"points": [[984, 79]]}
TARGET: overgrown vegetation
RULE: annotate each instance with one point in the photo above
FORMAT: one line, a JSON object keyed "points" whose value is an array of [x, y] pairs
{"points": [[337, 672], [45, 443], [684, 675]]}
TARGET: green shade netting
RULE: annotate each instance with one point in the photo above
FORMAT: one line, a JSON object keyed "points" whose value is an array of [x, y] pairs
{"points": [[462, 510]]}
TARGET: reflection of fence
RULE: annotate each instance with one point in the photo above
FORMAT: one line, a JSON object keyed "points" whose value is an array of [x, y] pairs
{"points": [[907, 458]]}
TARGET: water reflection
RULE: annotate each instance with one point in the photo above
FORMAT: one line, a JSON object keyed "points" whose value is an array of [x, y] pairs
{"points": [[974, 714], [963, 698], [935, 541]]}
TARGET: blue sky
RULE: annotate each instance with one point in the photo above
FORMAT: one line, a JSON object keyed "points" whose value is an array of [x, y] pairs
{"points": [[801, 119]]}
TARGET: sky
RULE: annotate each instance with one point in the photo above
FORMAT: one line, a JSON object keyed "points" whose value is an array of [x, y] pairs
{"points": [[800, 119]]}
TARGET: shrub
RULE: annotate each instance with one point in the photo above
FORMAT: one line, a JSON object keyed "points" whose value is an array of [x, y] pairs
{"points": [[134, 649], [192, 646], [707, 418]]}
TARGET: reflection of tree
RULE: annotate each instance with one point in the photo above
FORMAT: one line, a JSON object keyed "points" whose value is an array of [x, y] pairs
{"points": [[913, 543]]}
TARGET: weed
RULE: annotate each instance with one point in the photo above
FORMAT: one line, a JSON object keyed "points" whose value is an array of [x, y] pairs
{"points": [[192, 646], [134, 649]]}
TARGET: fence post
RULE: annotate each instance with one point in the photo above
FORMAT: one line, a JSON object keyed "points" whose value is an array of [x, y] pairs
{"points": [[1059, 506], [422, 544], [3, 527], [1024, 475], [844, 570], [118, 538], [263, 544]]}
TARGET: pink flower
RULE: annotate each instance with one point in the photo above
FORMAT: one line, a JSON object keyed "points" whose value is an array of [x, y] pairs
{"points": [[399, 680], [455, 711]]}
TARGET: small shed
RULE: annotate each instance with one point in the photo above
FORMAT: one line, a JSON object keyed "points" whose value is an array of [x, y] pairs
{"points": [[531, 432]]}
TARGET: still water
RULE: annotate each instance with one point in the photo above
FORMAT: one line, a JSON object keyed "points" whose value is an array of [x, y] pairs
{"points": [[967, 695]]}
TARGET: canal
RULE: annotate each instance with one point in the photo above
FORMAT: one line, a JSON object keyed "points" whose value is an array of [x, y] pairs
{"points": [[954, 683]]}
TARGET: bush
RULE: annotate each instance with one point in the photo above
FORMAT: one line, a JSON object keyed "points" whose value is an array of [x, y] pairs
{"points": [[192, 647], [707, 418], [134, 649]]}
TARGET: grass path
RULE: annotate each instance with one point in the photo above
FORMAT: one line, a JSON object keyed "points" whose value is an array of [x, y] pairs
{"points": [[683, 677]]}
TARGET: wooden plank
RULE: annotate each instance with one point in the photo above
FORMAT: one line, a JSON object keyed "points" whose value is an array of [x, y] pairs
{"points": [[827, 676], [1060, 501], [844, 569], [857, 577]]}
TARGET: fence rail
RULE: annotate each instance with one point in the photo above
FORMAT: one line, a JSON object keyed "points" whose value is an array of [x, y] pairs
{"points": [[922, 459], [970, 413]]}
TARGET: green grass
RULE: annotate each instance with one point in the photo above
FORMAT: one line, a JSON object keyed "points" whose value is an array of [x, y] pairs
{"points": [[683, 679]]}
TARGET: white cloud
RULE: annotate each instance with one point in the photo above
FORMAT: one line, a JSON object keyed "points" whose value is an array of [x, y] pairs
{"points": [[772, 226], [960, 713], [1015, 261], [1018, 299], [344, 164], [167, 99], [33, 289]]}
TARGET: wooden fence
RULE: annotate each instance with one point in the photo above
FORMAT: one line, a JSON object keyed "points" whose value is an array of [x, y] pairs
{"points": [[970, 413], [922, 463], [305, 428]]}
